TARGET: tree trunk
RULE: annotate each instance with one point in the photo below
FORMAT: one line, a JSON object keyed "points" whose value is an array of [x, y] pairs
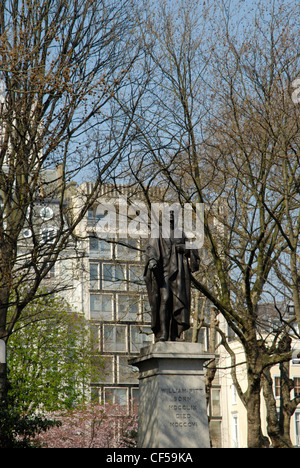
{"points": [[278, 432], [3, 381], [211, 367], [286, 385], [255, 436]]}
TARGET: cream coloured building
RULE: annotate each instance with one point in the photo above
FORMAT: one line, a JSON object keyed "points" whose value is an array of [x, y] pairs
{"points": [[234, 417]]}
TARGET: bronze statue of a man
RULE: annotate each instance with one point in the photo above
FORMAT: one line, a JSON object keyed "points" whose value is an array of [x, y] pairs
{"points": [[168, 281]]}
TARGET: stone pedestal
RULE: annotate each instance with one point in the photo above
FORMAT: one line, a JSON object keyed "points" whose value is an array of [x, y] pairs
{"points": [[172, 402]]}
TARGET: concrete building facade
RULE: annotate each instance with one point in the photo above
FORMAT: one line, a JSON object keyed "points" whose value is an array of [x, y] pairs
{"points": [[109, 291]]}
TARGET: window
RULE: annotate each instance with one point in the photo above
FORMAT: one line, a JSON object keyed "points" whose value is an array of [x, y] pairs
{"points": [[135, 398], [215, 433], [108, 371], [100, 248], [108, 276], [146, 312], [277, 387], [128, 308], [235, 431], [127, 249], [296, 386], [126, 373], [95, 394], [120, 272], [94, 215], [140, 338], [297, 428], [94, 276], [100, 213], [105, 249], [103, 218], [46, 213], [48, 235], [101, 306], [117, 396], [100, 374], [136, 281], [94, 333], [94, 245], [113, 276], [114, 338], [27, 233], [90, 214], [215, 402]]}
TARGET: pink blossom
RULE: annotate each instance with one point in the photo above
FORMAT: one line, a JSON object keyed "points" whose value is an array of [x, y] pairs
{"points": [[92, 426]]}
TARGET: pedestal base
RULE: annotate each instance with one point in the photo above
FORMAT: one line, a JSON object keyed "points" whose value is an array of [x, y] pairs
{"points": [[172, 401]]}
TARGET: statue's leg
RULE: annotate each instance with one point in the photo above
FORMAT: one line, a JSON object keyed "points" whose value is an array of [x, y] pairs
{"points": [[164, 313], [176, 330]]}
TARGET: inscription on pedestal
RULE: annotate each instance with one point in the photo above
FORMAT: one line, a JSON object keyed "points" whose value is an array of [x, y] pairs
{"points": [[183, 406], [172, 400]]}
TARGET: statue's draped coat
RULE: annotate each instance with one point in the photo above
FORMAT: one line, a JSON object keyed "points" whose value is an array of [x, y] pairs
{"points": [[176, 270]]}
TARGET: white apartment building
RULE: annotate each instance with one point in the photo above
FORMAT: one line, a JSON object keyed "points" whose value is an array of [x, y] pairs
{"points": [[109, 291]]}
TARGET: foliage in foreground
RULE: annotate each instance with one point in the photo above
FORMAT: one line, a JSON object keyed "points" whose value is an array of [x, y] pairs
{"points": [[92, 426], [49, 358], [20, 430]]}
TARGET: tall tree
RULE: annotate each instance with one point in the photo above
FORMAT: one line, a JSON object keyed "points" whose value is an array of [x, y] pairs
{"points": [[215, 133], [61, 63]]}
